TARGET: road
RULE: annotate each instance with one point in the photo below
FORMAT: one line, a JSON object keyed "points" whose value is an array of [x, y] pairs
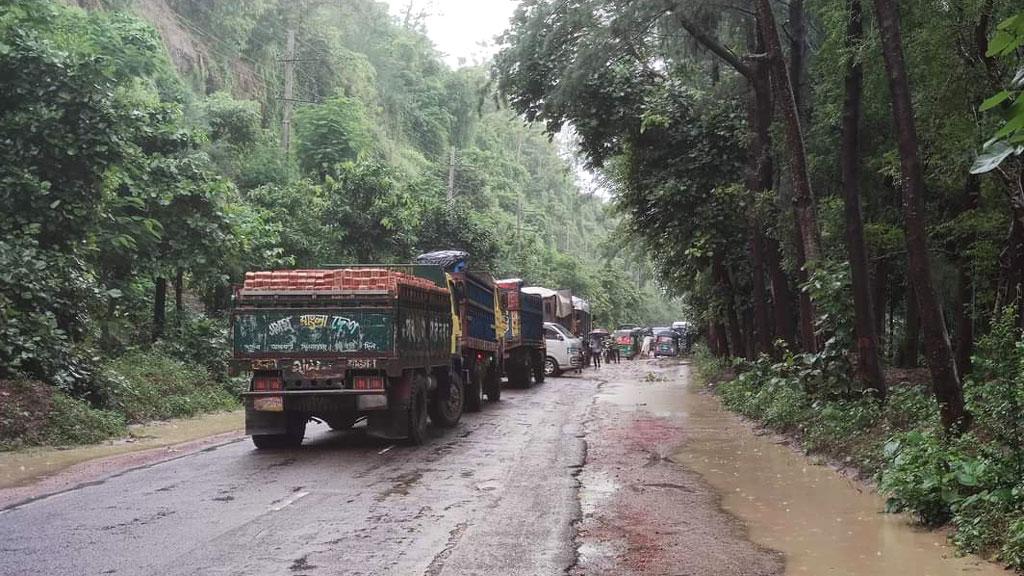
{"points": [[530, 485]]}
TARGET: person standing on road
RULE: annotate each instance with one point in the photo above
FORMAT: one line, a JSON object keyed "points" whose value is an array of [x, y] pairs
{"points": [[645, 347], [596, 351]]}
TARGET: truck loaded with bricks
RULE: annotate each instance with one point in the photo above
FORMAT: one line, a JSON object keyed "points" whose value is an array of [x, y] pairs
{"points": [[393, 345]]}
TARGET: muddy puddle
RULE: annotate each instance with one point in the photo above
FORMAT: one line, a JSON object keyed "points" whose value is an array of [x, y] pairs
{"points": [[821, 521]]}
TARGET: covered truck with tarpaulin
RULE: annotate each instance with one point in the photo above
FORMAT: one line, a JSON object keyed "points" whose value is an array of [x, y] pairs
{"points": [[479, 327], [582, 320], [525, 349], [557, 305], [341, 345]]}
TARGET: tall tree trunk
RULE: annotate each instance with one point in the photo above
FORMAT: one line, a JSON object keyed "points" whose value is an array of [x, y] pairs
{"points": [[759, 180], [782, 296], [798, 57], [881, 298], [965, 286], [761, 337], [719, 343], [911, 331], [728, 296], [159, 308], [945, 380], [179, 288], [808, 339], [869, 368], [803, 196]]}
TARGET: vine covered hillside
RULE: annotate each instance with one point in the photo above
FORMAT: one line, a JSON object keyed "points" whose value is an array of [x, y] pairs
{"points": [[144, 172]]}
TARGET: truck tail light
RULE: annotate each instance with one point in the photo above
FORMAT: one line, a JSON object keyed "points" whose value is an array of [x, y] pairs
{"points": [[368, 383], [266, 383]]}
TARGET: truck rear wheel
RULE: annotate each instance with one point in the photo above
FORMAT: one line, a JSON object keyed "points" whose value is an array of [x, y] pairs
{"points": [[447, 403], [518, 370], [417, 412], [493, 384], [474, 389], [538, 367], [290, 439]]}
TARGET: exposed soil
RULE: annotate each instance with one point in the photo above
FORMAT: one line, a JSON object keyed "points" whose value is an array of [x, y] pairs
{"points": [[643, 513]]}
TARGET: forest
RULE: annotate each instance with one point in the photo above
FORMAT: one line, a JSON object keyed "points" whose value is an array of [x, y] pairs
{"points": [[838, 187], [145, 169]]}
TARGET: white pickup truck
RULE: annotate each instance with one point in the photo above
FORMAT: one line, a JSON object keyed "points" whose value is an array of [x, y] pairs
{"points": [[564, 350]]}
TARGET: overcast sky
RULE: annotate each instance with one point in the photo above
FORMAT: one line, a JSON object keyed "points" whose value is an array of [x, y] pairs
{"points": [[463, 30]]}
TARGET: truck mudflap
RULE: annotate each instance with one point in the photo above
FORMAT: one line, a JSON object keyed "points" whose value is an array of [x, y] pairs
{"points": [[393, 423]]}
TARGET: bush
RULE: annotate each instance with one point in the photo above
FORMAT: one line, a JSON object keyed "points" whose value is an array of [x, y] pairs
{"points": [[200, 341], [73, 421], [151, 385]]}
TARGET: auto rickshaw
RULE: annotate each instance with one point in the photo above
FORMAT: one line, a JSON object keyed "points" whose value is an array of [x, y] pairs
{"points": [[666, 343], [628, 342]]}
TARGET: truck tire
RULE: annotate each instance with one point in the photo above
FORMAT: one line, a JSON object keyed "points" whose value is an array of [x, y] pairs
{"points": [[291, 439], [416, 413], [492, 384], [539, 368], [551, 367], [474, 389], [518, 371], [448, 401]]}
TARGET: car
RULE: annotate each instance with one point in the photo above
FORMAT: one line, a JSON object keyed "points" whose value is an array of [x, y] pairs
{"points": [[563, 350]]}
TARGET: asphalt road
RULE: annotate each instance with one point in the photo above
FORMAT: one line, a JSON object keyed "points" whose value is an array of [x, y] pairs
{"points": [[521, 488]]}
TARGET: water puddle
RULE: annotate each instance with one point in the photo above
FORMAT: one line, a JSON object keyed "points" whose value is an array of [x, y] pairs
{"points": [[822, 522]]}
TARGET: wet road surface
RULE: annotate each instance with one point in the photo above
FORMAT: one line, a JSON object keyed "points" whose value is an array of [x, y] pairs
{"points": [[616, 472]]}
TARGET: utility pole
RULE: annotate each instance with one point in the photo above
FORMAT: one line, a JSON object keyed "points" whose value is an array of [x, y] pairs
{"points": [[519, 214], [451, 176], [289, 88]]}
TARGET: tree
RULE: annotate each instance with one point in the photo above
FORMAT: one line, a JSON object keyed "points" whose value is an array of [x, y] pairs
{"points": [[869, 368], [941, 363]]}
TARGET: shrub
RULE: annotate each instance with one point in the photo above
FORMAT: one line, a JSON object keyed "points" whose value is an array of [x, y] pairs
{"points": [[918, 477], [201, 341], [151, 385], [73, 421]]}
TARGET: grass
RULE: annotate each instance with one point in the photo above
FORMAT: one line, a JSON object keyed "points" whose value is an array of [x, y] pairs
{"points": [[138, 387]]}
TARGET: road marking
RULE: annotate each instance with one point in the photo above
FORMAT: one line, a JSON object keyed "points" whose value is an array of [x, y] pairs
{"points": [[385, 450], [288, 502]]}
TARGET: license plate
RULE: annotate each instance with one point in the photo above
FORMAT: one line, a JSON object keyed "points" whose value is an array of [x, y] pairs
{"points": [[268, 404]]}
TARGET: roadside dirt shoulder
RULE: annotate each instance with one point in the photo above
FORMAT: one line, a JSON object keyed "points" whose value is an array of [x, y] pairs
{"points": [[33, 473]]}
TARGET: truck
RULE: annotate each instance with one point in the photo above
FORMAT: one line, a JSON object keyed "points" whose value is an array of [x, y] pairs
{"points": [[347, 344], [479, 325], [557, 305], [581, 318], [525, 350]]}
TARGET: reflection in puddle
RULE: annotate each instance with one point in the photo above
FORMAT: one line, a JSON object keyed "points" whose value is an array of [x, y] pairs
{"points": [[822, 522]]}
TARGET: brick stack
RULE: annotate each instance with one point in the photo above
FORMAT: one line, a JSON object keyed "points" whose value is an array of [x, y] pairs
{"points": [[348, 279]]}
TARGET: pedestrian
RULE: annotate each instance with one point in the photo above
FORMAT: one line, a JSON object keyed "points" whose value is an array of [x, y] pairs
{"points": [[645, 347], [595, 351]]}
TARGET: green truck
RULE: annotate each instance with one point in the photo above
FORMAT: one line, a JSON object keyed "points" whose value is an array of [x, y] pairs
{"points": [[341, 345]]}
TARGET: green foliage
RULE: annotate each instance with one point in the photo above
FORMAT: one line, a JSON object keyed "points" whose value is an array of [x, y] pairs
{"points": [[236, 122], [154, 386], [1009, 138], [330, 134], [994, 392], [73, 421]]}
